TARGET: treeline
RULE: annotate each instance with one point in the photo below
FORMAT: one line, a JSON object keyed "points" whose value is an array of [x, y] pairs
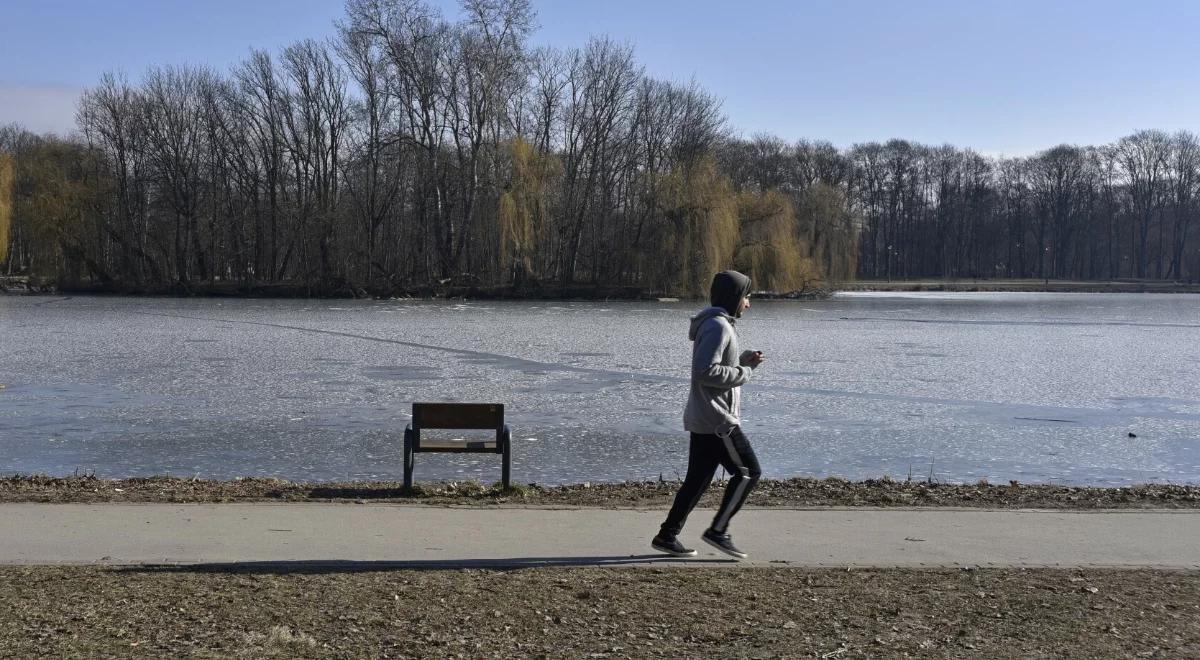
{"points": [[1125, 210], [412, 149], [409, 149]]}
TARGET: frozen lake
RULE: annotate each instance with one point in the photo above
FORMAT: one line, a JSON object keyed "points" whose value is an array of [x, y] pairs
{"points": [[1035, 387]]}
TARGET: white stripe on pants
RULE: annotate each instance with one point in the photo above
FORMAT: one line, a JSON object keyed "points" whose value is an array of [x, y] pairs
{"points": [[723, 516]]}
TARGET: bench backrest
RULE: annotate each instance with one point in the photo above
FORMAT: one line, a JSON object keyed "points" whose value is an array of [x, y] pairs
{"points": [[458, 416]]}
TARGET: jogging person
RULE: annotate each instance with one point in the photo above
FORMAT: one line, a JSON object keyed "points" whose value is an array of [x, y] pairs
{"points": [[719, 369]]}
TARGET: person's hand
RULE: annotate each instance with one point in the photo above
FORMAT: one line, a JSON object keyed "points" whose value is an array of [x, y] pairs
{"points": [[756, 358]]}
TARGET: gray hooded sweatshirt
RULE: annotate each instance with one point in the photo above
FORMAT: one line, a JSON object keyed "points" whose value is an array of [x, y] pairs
{"points": [[719, 366]]}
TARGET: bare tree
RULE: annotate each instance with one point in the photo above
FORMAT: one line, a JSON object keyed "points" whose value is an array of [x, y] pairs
{"points": [[1183, 176], [1143, 157]]}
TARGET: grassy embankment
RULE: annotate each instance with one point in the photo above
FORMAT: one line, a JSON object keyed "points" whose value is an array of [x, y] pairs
{"points": [[796, 492]]}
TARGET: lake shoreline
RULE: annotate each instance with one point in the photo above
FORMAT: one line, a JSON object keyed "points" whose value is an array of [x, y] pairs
{"points": [[794, 492], [448, 291], [580, 292], [1019, 286]]}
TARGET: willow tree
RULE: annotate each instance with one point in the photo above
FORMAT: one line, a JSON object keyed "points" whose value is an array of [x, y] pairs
{"points": [[769, 249], [59, 205], [696, 228], [524, 210], [6, 203]]}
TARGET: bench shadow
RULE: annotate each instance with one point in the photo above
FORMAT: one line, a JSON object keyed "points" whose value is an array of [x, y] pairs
{"points": [[316, 566]]}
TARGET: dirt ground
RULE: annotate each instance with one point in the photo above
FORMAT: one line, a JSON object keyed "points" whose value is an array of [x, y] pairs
{"points": [[650, 494], [597, 613]]}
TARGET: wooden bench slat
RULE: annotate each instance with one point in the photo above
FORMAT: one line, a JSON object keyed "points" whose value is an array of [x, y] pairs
{"points": [[458, 445], [458, 416]]}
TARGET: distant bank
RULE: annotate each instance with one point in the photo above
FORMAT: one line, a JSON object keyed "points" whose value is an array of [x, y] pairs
{"points": [[583, 291], [446, 290], [1025, 285]]}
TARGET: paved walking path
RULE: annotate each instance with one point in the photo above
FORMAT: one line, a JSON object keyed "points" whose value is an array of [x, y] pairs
{"points": [[417, 536]]}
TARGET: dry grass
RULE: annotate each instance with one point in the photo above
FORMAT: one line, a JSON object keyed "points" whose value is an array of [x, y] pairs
{"points": [[652, 494], [597, 613]]}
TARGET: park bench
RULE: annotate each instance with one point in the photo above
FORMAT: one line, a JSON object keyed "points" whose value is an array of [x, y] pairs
{"points": [[456, 416]]}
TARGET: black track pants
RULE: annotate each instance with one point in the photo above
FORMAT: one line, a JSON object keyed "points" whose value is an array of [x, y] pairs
{"points": [[704, 455]]}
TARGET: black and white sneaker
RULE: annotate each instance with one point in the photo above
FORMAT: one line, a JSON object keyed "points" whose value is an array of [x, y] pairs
{"points": [[671, 546], [722, 542]]}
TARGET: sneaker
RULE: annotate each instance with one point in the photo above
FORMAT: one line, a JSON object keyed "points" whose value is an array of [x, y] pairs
{"points": [[671, 546], [722, 542]]}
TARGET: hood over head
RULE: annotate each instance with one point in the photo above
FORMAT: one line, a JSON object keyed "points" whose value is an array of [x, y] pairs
{"points": [[704, 315], [727, 290]]}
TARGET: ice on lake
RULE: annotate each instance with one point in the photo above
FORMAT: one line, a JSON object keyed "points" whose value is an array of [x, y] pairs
{"points": [[1035, 387]]}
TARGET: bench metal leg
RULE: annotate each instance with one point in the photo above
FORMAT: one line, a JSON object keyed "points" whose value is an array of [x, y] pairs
{"points": [[408, 458], [504, 469]]}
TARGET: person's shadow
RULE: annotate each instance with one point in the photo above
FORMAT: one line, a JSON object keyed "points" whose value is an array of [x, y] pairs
{"points": [[311, 566]]}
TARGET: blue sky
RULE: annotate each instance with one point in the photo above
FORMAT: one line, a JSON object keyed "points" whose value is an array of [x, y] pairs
{"points": [[1004, 77]]}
